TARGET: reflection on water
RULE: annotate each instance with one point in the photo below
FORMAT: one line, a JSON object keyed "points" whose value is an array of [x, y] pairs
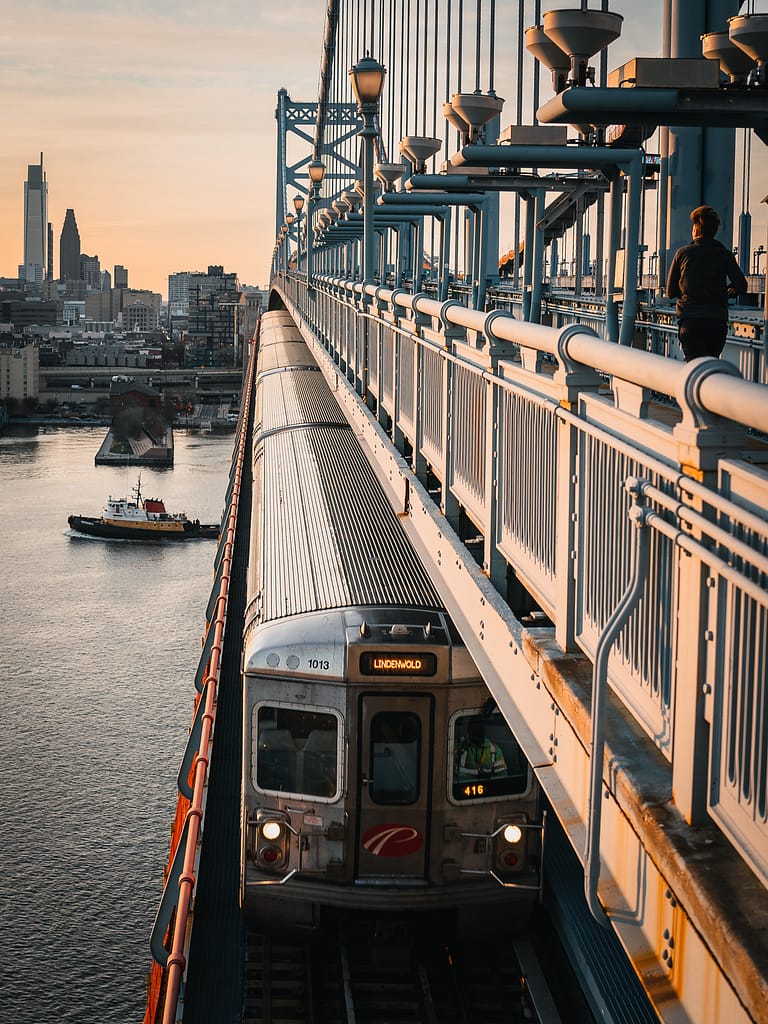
{"points": [[100, 643]]}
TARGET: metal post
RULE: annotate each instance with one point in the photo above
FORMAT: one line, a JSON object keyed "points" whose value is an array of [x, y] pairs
{"points": [[369, 134]]}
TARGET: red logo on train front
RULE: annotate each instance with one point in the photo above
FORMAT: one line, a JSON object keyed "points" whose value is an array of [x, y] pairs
{"points": [[392, 840]]}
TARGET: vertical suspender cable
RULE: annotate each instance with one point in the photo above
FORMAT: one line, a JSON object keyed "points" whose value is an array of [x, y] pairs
{"points": [[492, 48], [407, 63], [417, 76], [434, 77], [460, 55], [536, 73], [519, 116], [478, 27], [425, 63]]}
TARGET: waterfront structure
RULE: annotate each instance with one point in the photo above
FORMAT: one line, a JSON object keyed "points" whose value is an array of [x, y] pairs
{"points": [[210, 302], [69, 249], [19, 373], [35, 225]]}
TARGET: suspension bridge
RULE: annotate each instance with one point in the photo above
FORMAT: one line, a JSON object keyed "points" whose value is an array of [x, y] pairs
{"points": [[591, 508]]}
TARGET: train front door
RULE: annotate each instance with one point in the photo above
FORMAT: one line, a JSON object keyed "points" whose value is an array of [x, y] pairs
{"points": [[395, 785]]}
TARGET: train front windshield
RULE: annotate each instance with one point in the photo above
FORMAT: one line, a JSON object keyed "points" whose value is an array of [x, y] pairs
{"points": [[487, 761], [297, 751]]}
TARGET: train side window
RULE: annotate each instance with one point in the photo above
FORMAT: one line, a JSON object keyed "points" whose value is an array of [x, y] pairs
{"points": [[296, 751], [395, 757], [487, 760]]}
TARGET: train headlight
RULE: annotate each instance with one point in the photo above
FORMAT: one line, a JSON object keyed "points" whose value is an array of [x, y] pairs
{"points": [[512, 834], [271, 830], [271, 840], [510, 846]]}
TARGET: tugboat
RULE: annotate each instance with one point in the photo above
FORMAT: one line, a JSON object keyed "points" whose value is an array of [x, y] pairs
{"points": [[142, 519]]}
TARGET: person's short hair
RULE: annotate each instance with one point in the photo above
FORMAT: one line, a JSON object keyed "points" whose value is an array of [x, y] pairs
{"points": [[707, 220]]}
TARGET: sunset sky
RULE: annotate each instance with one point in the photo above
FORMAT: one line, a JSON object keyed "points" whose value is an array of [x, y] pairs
{"points": [[156, 121]]}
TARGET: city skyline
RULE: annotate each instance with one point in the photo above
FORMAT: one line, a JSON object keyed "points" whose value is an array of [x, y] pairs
{"points": [[158, 129]]}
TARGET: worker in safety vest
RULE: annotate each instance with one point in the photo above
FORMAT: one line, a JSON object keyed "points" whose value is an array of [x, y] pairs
{"points": [[478, 755]]}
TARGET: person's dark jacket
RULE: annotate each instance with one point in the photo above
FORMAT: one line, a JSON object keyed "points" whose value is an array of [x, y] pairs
{"points": [[698, 280]]}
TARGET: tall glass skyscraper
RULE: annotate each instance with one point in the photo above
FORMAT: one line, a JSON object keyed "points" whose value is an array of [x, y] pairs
{"points": [[35, 223]]}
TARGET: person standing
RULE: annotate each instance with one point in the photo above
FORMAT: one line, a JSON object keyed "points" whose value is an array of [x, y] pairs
{"points": [[698, 278]]}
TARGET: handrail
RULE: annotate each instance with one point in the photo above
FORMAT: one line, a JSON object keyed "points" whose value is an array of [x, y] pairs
{"points": [[714, 386], [177, 960], [193, 773]]}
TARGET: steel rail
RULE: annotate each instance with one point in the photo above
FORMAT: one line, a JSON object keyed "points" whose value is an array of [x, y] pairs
{"points": [[177, 959]]}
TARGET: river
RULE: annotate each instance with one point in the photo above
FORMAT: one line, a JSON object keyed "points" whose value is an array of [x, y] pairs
{"points": [[100, 642]]}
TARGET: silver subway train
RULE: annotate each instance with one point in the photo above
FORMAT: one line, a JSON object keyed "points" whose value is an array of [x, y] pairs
{"points": [[378, 774]]}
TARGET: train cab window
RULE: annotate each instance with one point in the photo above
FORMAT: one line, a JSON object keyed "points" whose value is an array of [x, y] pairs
{"points": [[395, 756], [487, 760], [296, 751]]}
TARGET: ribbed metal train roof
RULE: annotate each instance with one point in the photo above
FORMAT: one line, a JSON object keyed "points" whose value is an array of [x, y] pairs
{"points": [[330, 538], [296, 396]]}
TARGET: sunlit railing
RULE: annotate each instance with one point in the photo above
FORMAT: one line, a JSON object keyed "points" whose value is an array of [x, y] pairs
{"points": [[534, 432], [171, 932]]}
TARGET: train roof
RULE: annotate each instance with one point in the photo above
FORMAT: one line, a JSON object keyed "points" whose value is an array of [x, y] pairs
{"points": [[328, 537]]}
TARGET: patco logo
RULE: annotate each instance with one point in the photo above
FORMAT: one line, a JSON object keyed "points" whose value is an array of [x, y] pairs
{"points": [[392, 840]]}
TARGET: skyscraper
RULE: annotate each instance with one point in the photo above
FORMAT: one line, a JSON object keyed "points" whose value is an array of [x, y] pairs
{"points": [[69, 249], [35, 223], [90, 272], [50, 252]]}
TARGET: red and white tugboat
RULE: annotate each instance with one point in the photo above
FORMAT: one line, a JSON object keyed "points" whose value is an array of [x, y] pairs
{"points": [[142, 519]]}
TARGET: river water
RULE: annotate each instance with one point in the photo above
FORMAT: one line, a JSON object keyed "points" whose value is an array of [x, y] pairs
{"points": [[100, 641]]}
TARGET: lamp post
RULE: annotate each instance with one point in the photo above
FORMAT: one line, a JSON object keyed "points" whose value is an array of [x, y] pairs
{"points": [[284, 254], [289, 219], [298, 205], [367, 78], [316, 170]]}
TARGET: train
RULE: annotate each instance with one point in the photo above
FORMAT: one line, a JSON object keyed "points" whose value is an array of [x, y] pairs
{"points": [[378, 774]]}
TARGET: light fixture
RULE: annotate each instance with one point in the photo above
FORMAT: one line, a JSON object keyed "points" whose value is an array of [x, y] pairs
{"points": [[512, 834], [271, 830], [316, 170], [367, 78]]}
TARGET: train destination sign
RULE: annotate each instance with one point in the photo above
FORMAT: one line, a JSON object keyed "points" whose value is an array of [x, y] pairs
{"points": [[385, 663]]}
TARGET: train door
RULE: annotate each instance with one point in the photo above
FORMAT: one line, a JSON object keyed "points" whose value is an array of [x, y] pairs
{"points": [[395, 785]]}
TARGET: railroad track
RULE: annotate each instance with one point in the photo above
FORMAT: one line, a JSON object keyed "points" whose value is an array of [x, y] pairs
{"points": [[384, 975]]}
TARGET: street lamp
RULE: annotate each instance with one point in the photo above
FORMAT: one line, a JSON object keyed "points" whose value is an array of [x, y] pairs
{"points": [[298, 205], [316, 171], [289, 219], [367, 78]]}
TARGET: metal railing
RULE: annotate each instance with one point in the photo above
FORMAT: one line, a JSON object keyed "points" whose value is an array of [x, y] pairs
{"points": [[533, 433], [171, 932]]}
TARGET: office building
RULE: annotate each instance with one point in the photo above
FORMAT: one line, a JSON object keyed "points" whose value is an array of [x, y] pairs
{"points": [[69, 249], [35, 224], [19, 373], [90, 272], [121, 276]]}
